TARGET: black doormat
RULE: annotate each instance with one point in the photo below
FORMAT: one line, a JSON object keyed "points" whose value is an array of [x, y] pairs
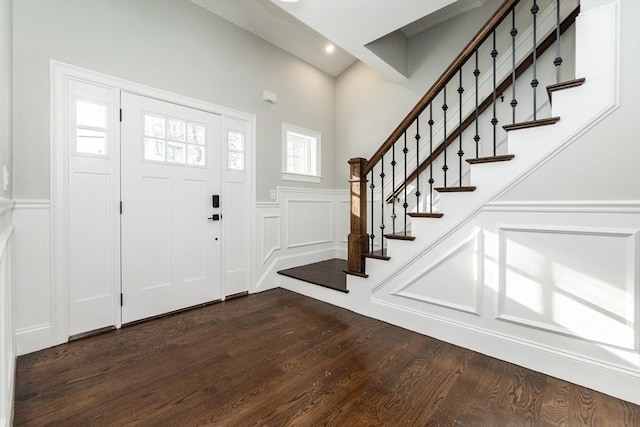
{"points": [[329, 274]]}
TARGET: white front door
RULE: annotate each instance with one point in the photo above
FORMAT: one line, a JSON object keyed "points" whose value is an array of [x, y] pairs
{"points": [[170, 160]]}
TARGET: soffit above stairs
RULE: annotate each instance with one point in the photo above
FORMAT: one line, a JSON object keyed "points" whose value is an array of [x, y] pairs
{"points": [[373, 31]]}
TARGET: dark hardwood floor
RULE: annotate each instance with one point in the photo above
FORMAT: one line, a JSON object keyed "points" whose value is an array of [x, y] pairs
{"points": [[279, 358]]}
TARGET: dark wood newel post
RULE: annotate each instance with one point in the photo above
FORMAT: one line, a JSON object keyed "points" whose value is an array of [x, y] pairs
{"points": [[358, 241]]}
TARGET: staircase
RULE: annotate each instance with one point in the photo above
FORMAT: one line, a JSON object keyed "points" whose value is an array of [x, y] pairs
{"points": [[417, 165], [436, 246]]}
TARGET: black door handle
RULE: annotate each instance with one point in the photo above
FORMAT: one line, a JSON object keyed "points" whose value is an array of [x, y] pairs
{"points": [[215, 217]]}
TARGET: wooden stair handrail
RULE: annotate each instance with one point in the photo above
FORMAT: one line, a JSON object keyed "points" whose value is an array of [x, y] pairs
{"points": [[486, 103], [444, 78]]}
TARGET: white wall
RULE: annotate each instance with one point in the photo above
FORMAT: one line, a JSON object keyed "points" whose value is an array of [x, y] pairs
{"points": [[171, 45], [7, 327]]}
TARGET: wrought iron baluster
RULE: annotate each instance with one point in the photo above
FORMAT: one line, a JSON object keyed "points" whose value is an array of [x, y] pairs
{"points": [[514, 33], [431, 181], [418, 163], [460, 152], [393, 187], [476, 138], [534, 81], [494, 119], [373, 236], [405, 205], [445, 107], [558, 61], [382, 202]]}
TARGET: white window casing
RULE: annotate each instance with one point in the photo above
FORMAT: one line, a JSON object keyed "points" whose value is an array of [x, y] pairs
{"points": [[301, 150]]}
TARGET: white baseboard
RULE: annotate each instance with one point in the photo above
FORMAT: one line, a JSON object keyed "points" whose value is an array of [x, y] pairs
{"points": [[33, 339], [615, 381]]}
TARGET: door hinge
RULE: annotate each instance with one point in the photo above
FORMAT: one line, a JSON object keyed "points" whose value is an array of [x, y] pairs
{"points": [[120, 208], [121, 114], [121, 300]]}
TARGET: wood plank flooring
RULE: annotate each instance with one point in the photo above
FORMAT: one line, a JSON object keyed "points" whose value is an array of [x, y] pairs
{"points": [[278, 358]]}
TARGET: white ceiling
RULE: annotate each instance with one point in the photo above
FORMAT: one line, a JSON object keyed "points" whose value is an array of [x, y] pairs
{"points": [[304, 28]]}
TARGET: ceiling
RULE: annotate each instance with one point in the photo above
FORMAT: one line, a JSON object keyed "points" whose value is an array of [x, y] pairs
{"points": [[373, 31]]}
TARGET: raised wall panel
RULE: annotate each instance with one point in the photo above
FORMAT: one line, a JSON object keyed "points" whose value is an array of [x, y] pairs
{"points": [[576, 282], [309, 222], [235, 223], [343, 220], [156, 249], [91, 237], [453, 280], [193, 240], [270, 236]]}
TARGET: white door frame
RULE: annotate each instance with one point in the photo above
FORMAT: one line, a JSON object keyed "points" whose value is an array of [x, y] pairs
{"points": [[60, 74]]}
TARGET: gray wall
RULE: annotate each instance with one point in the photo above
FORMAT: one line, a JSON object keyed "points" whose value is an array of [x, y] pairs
{"points": [[173, 45], [369, 107], [5, 92]]}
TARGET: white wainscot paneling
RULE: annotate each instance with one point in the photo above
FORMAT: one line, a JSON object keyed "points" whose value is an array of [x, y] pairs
{"points": [[270, 236], [576, 282], [32, 275], [235, 242], [343, 220], [7, 327], [309, 222], [451, 281]]}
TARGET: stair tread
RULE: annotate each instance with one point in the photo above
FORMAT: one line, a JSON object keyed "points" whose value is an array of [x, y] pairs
{"points": [[379, 254], [425, 214], [566, 85], [355, 273], [531, 124], [399, 237], [491, 159], [563, 85], [455, 189]]}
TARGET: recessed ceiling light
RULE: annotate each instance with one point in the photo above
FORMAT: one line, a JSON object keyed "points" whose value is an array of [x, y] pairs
{"points": [[329, 48]]}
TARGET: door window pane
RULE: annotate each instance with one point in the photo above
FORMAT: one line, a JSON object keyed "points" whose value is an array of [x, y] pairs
{"points": [[91, 141], [154, 126], [195, 155], [176, 130], [90, 114], [235, 150], [176, 152], [195, 133], [154, 150]]}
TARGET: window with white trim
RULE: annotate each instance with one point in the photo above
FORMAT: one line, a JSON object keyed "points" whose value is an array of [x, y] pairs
{"points": [[300, 154]]}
